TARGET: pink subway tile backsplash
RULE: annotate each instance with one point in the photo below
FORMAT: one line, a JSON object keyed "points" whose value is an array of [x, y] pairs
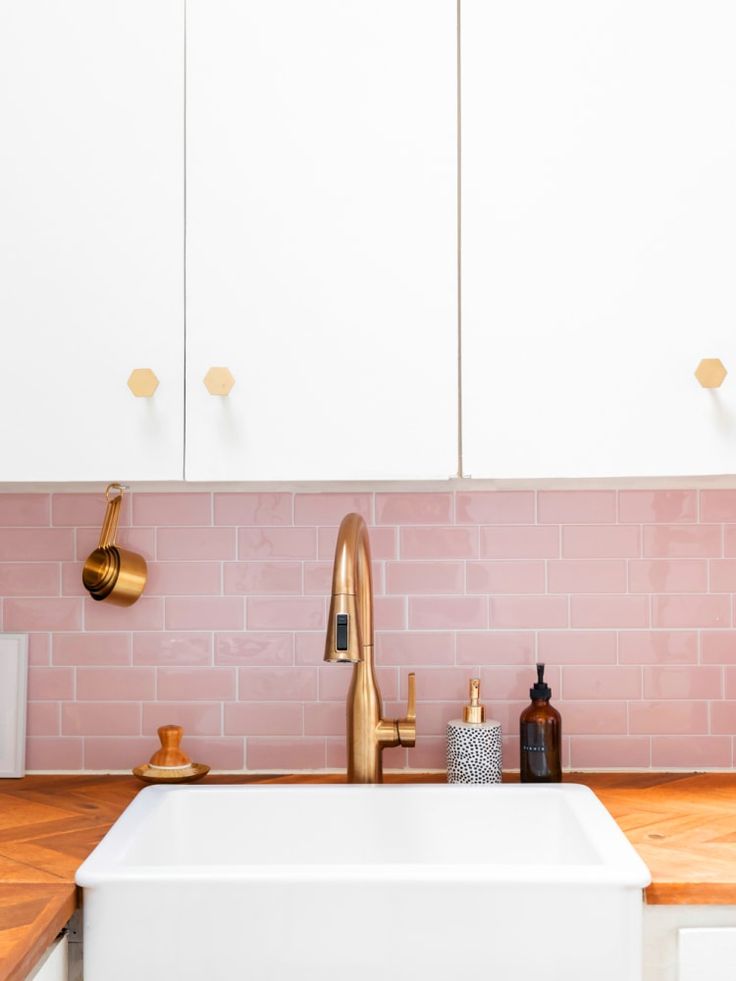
{"points": [[658, 506], [184, 578], [663, 717], [172, 509], [618, 752], [277, 684], [34, 544], [513, 683], [54, 753], [120, 684], [426, 647], [264, 719], [506, 577], [146, 614], [252, 509], [682, 541], [39, 648], [169, 647], [528, 611], [56, 684], [413, 509], [204, 613], [601, 681], [691, 611], [265, 578], [176, 544], [286, 613], [723, 575], [328, 718], [389, 612], [718, 505], [569, 507], [495, 647], [494, 507], [281, 753], [44, 718], [425, 577], [448, 612], [334, 681], [197, 718], [101, 718], [383, 543], [439, 543], [723, 718], [626, 595], [519, 542], [29, 578], [277, 543], [668, 576], [609, 611], [694, 752], [330, 509], [600, 542], [718, 646], [658, 647], [42, 614], [593, 718], [257, 649], [142, 540], [682, 681], [208, 684], [120, 753], [24, 510], [587, 576], [577, 647], [79, 510]]}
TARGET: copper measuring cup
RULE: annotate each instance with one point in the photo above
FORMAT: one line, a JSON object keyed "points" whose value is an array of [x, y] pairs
{"points": [[112, 573]]}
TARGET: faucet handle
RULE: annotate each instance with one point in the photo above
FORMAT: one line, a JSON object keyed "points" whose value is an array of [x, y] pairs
{"points": [[408, 725]]}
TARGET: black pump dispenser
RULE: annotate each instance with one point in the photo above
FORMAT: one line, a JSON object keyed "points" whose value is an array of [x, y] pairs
{"points": [[541, 689], [540, 731]]}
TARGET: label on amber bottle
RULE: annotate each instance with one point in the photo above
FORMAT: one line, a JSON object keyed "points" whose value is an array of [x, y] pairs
{"points": [[534, 748]]}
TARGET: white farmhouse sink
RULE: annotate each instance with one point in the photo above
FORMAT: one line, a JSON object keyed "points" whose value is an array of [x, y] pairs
{"points": [[348, 882]]}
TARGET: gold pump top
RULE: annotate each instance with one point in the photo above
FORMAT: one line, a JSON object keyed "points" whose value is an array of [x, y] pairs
{"points": [[474, 712]]}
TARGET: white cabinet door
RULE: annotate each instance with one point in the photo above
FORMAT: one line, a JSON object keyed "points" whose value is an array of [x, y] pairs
{"points": [[322, 238], [54, 965], [91, 238], [707, 954], [598, 245]]}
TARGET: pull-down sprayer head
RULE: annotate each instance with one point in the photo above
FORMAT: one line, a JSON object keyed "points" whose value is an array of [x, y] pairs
{"points": [[350, 624]]}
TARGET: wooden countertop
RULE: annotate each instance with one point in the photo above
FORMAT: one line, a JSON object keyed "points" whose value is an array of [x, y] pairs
{"points": [[682, 825]]}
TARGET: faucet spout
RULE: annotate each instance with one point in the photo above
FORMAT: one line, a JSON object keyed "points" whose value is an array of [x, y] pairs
{"points": [[350, 640]]}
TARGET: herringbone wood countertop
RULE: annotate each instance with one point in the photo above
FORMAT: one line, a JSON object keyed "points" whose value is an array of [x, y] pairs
{"points": [[682, 825]]}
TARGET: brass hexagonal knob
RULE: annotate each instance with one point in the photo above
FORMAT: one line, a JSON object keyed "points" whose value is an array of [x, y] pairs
{"points": [[711, 372], [142, 383], [219, 381]]}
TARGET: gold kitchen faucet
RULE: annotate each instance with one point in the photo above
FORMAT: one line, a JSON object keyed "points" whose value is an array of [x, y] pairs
{"points": [[350, 640]]}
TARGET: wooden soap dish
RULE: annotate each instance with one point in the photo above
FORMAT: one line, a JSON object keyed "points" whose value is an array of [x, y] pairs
{"points": [[169, 764], [184, 774]]}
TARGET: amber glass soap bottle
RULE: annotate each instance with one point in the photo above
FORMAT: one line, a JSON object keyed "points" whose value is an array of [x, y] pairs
{"points": [[540, 731]]}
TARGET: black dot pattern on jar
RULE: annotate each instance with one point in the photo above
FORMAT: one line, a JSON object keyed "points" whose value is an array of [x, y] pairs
{"points": [[474, 753]]}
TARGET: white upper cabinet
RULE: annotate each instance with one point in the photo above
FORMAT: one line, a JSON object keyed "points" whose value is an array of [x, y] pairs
{"points": [[91, 238], [599, 236], [322, 238]]}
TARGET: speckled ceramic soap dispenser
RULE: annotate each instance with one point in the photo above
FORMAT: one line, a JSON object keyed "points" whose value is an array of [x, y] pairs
{"points": [[474, 745]]}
